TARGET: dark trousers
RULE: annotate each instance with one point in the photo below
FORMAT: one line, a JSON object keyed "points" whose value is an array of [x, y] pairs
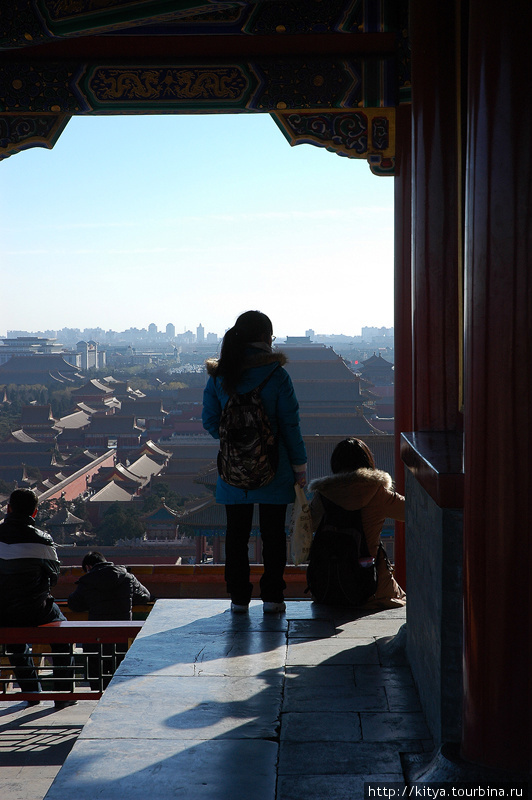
{"points": [[272, 531], [21, 660]]}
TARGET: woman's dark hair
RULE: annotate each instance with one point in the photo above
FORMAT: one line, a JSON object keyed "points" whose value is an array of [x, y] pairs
{"points": [[252, 326], [350, 455]]}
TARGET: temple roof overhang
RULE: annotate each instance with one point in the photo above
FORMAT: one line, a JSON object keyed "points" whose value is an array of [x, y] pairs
{"points": [[330, 74]]}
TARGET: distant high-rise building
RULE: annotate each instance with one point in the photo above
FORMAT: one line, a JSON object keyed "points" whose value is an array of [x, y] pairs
{"points": [[212, 338], [170, 331], [186, 338], [310, 334], [200, 334], [152, 329], [369, 333]]}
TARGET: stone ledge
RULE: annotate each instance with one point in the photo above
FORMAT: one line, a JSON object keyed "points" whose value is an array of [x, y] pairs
{"points": [[435, 459]]}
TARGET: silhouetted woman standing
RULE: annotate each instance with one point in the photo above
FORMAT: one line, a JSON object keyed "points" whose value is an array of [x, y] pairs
{"points": [[246, 359]]}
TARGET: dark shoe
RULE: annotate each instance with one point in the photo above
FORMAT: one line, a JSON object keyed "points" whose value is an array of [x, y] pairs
{"points": [[31, 703], [65, 703]]}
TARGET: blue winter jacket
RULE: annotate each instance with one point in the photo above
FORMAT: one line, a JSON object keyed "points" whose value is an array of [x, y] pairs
{"points": [[282, 408]]}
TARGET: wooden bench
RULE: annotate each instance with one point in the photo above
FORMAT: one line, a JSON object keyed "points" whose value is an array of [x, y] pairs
{"points": [[69, 633]]}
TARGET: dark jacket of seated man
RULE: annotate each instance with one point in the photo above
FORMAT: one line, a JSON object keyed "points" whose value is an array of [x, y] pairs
{"points": [[107, 591], [29, 567]]}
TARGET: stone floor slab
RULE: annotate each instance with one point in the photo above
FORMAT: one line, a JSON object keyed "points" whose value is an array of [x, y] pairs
{"points": [[390, 727], [329, 787], [331, 651], [301, 697], [227, 653], [168, 770], [320, 726], [311, 629], [402, 698], [338, 758], [341, 675], [210, 616], [367, 627], [367, 675], [162, 707]]}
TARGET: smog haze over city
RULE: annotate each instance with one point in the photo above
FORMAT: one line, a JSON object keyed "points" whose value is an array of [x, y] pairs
{"points": [[136, 220]]}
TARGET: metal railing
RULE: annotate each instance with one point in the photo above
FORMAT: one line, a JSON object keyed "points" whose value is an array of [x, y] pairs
{"points": [[72, 660]]}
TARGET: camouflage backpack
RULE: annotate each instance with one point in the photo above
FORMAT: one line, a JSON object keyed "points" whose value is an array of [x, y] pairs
{"points": [[248, 455]]}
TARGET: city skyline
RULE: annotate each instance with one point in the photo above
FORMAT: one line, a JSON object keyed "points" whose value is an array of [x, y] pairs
{"points": [[185, 218], [152, 329]]}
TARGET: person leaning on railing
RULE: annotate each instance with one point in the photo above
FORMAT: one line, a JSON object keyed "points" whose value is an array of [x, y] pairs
{"points": [[29, 567], [108, 592]]}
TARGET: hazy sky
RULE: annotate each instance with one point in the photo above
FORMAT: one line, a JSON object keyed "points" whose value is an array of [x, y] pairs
{"points": [[189, 219]]}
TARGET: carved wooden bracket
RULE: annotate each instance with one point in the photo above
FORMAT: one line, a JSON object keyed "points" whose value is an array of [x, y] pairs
{"points": [[367, 133]]}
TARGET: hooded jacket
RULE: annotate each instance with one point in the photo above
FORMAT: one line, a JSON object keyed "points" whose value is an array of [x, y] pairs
{"points": [[371, 492], [108, 592], [282, 408], [29, 567]]}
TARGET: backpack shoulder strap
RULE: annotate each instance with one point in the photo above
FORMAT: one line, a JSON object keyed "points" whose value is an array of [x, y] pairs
{"points": [[261, 386]]}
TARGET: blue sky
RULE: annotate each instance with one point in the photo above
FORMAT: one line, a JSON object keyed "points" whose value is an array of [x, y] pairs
{"points": [[189, 219]]}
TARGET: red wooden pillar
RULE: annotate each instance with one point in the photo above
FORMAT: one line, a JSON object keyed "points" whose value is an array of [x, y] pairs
{"points": [[402, 311], [497, 729], [436, 223]]}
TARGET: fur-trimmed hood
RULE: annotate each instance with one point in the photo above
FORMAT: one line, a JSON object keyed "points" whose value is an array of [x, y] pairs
{"points": [[352, 490], [254, 358]]}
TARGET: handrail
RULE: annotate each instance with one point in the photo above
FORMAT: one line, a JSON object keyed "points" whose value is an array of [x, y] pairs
{"points": [[72, 631], [99, 633]]}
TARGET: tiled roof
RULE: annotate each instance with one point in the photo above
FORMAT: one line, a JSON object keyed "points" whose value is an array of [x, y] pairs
{"points": [[39, 369], [191, 394], [31, 459], [188, 426], [333, 391], [119, 473], [79, 419], [385, 391], [162, 514], [145, 467], [82, 459], [93, 387], [377, 361], [63, 517], [85, 407], [113, 424], [143, 408], [23, 446], [202, 450], [151, 447], [186, 466], [15, 473], [309, 353], [21, 436], [335, 425], [320, 371], [36, 415], [385, 424], [39, 363], [111, 493]]}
